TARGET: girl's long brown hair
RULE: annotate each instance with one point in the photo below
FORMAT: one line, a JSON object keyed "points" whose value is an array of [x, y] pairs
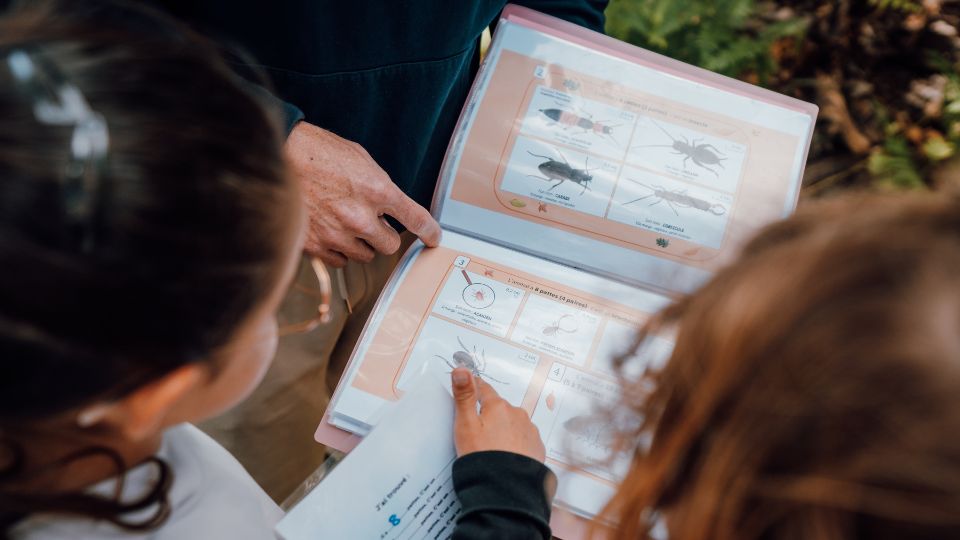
{"points": [[814, 391]]}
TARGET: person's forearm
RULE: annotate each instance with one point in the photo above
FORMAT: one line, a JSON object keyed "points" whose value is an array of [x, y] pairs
{"points": [[503, 496]]}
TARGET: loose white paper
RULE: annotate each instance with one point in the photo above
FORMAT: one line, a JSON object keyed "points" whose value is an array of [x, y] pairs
{"points": [[396, 484]]}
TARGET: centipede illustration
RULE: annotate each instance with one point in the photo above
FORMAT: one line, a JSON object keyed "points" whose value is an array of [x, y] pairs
{"points": [[678, 198]]}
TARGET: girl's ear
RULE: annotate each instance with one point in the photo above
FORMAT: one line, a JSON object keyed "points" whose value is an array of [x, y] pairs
{"points": [[142, 413]]}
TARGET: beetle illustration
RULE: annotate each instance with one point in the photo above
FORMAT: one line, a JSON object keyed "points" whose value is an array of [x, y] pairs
{"points": [[584, 121], [703, 155], [475, 361], [678, 198], [562, 172]]}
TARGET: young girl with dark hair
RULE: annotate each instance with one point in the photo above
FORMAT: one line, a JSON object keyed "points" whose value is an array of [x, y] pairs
{"points": [[148, 233], [143, 260]]}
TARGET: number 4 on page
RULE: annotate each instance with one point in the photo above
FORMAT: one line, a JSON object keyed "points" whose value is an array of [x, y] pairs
{"points": [[556, 371]]}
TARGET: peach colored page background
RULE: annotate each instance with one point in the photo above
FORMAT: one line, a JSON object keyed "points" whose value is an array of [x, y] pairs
{"points": [[760, 196], [387, 355]]}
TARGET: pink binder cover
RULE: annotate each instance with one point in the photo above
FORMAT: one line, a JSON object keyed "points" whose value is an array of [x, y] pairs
{"points": [[329, 435], [568, 31]]}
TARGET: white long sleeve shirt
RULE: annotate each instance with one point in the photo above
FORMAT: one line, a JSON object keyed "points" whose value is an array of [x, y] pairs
{"points": [[213, 497]]}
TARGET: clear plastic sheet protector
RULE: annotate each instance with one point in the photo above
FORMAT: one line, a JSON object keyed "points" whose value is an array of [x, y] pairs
{"points": [[587, 182], [585, 150]]}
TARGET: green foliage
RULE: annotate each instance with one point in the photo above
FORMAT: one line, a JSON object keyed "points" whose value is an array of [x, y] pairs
{"points": [[907, 6], [720, 35], [951, 98], [909, 111], [892, 166], [938, 149]]}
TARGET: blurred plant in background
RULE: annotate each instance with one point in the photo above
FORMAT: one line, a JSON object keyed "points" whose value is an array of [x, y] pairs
{"points": [[731, 37], [884, 73]]}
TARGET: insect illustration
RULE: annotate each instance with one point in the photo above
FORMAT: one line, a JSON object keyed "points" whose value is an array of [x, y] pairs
{"points": [[571, 84], [663, 242], [542, 207], [477, 295], [590, 429], [475, 361], [558, 326], [586, 123], [679, 198], [562, 172], [703, 155], [488, 273]]}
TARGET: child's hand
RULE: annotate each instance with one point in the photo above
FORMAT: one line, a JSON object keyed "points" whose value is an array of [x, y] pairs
{"points": [[498, 425]]}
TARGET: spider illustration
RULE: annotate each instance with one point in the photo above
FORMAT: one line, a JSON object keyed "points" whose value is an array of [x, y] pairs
{"points": [[475, 361], [557, 326]]}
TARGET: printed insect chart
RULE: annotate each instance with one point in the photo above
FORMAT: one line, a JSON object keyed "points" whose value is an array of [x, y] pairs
{"points": [[586, 184]]}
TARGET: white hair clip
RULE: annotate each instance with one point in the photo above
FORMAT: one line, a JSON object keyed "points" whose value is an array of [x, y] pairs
{"points": [[57, 102]]}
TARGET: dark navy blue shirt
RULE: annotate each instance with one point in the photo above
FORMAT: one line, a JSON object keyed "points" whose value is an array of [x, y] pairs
{"points": [[391, 75]]}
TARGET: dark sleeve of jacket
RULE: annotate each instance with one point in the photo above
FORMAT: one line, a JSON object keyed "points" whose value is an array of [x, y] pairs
{"points": [[586, 13], [503, 496], [291, 113]]}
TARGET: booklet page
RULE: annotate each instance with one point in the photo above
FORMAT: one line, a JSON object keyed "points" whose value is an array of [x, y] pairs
{"points": [[543, 335], [617, 165]]}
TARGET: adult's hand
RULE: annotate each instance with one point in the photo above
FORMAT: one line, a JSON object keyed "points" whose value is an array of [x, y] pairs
{"points": [[346, 195], [498, 425]]}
